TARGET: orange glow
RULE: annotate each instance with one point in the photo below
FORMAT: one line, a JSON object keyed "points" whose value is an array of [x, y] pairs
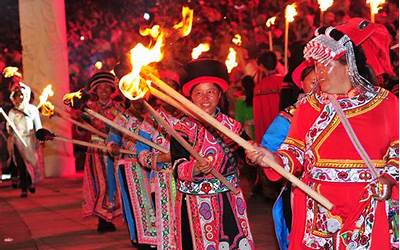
{"points": [[374, 5], [237, 39], [132, 85], [202, 47], [271, 21], [69, 97], [45, 106], [231, 60], [325, 4], [290, 12], [185, 26]]}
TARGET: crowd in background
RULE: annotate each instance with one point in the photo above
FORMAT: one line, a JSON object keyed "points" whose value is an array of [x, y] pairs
{"points": [[104, 31]]}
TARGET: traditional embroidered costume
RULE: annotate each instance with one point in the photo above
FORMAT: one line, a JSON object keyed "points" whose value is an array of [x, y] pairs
{"points": [[134, 181], [209, 216], [272, 140], [99, 183], [162, 185], [319, 148]]}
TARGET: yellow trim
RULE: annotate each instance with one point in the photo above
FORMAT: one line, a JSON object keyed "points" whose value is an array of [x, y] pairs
{"points": [[313, 101], [346, 163], [295, 142], [393, 162], [369, 105], [322, 138]]}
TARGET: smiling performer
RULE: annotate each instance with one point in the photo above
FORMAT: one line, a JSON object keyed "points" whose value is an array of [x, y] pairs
{"points": [[99, 183], [350, 158], [209, 216]]}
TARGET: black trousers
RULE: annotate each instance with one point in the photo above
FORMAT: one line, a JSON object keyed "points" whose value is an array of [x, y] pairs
{"points": [[24, 177]]}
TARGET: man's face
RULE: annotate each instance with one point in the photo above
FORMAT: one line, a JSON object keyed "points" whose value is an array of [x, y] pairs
{"points": [[332, 78], [206, 96]]}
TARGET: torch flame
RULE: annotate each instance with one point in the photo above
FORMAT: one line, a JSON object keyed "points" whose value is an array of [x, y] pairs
{"points": [[271, 21], [69, 97], [290, 12], [132, 85], [325, 4], [202, 47], [374, 5], [45, 106], [153, 31], [231, 60], [11, 71], [187, 19], [237, 39]]}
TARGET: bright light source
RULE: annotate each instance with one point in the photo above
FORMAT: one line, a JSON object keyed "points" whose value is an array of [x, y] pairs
{"points": [[98, 65], [82, 38], [146, 16]]}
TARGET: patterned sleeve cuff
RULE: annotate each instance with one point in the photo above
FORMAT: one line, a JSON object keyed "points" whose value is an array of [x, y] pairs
{"points": [[282, 160], [392, 161], [184, 168], [393, 172], [148, 159]]}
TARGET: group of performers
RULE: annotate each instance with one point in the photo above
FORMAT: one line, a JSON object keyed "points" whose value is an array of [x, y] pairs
{"points": [[340, 138]]}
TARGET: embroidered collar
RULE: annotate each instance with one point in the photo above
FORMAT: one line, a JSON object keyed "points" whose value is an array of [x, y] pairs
{"points": [[357, 96]]}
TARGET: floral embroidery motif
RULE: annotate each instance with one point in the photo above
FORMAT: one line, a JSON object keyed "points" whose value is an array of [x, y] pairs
{"points": [[206, 186], [342, 175], [321, 229]]}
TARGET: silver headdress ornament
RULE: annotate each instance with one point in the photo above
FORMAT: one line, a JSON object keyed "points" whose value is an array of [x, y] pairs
{"points": [[324, 48]]}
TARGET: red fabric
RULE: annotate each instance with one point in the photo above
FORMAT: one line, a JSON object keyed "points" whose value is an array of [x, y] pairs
{"points": [[266, 103], [375, 41], [346, 196], [187, 87], [298, 71]]}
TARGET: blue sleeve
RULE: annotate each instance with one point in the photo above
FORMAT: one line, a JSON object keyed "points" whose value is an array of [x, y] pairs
{"points": [[140, 146], [115, 137], [276, 133]]}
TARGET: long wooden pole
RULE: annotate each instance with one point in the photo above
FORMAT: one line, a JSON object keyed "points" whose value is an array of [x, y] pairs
{"points": [[271, 46], [239, 140], [12, 125], [90, 145], [186, 145], [125, 130], [286, 44], [169, 100], [86, 126]]}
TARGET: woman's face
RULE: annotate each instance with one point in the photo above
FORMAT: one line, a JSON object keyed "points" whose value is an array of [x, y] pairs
{"points": [[332, 78], [104, 91], [206, 96]]}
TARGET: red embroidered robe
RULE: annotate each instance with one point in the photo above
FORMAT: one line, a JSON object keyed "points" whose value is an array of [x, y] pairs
{"points": [[217, 217], [318, 149]]}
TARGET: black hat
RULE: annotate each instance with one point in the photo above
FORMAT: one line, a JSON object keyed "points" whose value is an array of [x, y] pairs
{"points": [[202, 71], [101, 77]]}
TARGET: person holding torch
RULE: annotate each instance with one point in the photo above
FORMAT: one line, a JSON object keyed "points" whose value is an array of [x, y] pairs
{"points": [[99, 183], [23, 148], [343, 142], [209, 216]]}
